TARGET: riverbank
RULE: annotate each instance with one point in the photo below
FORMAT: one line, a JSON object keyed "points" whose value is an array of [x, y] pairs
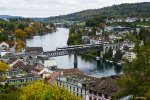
{"points": [[94, 56], [89, 65]]}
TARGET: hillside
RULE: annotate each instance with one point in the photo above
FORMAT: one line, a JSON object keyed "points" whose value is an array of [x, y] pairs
{"points": [[122, 10], [9, 17]]}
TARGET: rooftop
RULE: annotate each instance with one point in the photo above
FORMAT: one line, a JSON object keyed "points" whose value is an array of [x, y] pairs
{"points": [[36, 50], [106, 85]]}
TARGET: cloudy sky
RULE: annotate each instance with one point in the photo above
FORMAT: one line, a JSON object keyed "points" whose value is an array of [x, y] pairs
{"points": [[46, 8]]}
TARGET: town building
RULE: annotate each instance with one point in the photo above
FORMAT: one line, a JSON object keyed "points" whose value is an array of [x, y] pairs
{"points": [[75, 81], [4, 49], [103, 89], [34, 50], [130, 55], [87, 87], [46, 61]]}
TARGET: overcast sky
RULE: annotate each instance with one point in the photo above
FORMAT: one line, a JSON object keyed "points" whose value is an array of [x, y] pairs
{"points": [[46, 8]]}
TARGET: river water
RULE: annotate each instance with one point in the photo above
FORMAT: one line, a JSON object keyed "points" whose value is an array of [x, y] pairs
{"points": [[88, 65]]}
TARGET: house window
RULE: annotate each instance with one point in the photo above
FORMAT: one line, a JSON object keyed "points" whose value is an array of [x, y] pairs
{"points": [[95, 99], [90, 92], [95, 93], [106, 96], [73, 88], [99, 94], [70, 87], [84, 85], [90, 98], [77, 94]]}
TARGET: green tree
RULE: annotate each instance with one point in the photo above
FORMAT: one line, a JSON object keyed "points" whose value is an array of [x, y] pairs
{"points": [[109, 54], [118, 55], [136, 78]]}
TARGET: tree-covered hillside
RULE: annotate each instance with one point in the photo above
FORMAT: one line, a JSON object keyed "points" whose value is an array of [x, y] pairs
{"points": [[122, 10]]}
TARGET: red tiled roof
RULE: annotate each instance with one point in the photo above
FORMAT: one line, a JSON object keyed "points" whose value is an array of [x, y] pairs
{"points": [[52, 77]]}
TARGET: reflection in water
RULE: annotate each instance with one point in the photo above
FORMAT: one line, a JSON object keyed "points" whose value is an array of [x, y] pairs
{"points": [[89, 65], [117, 69]]}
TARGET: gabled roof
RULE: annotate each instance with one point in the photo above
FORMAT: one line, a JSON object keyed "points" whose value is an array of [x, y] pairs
{"points": [[35, 50], [22, 66], [70, 71], [13, 59], [105, 85], [52, 77]]}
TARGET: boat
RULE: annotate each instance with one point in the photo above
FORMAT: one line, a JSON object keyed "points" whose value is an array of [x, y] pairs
{"points": [[111, 61], [97, 58], [107, 60], [119, 63]]}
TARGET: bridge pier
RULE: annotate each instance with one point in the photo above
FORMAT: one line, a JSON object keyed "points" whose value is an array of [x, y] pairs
{"points": [[101, 54], [75, 61]]}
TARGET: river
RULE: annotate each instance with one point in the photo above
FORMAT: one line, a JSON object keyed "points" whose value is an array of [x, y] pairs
{"points": [[88, 65]]}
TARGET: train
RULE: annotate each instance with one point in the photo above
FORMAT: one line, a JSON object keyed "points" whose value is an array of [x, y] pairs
{"points": [[77, 46]]}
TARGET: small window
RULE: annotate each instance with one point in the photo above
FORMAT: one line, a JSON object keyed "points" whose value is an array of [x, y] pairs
{"points": [[70, 87], [83, 85], [73, 88], [106, 96], [90, 98], [77, 94], [95, 99], [99, 94], [95, 93], [90, 92]]}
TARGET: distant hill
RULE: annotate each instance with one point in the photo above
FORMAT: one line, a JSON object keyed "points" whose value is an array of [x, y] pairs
{"points": [[122, 10], [9, 17]]}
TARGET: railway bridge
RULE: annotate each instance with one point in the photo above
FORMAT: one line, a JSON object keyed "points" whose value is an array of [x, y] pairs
{"points": [[68, 50]]}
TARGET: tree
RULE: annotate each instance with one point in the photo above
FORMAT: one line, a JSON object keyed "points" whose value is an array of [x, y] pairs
{"points": [[118, 55], [136, 78], [36, 91], [3, 67], [44, 91], [109, 54], [145, 36], [19, 45], [20, 34], [30, 31]]}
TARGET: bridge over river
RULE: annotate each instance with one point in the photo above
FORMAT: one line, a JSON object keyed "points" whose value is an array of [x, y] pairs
{"points": [[68, 50]]}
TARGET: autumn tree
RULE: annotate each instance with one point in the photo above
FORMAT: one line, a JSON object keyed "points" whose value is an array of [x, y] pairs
{"points": [[19, 45], [36, 91], [3, 67], [30, 30], [20, 34], [44, 91]]}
